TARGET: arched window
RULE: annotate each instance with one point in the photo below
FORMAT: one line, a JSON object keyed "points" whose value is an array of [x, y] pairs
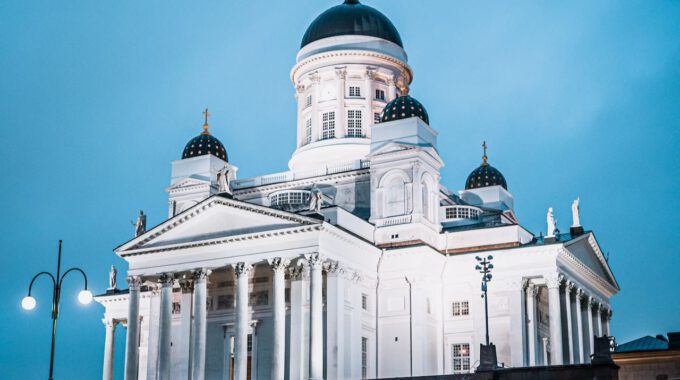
{"points": [[426, 201], [395, 197]]}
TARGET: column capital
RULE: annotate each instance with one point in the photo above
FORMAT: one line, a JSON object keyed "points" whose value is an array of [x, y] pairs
{"points": [[166, 280], [110, 322], [370, 72], [334, 268], [315, 77], [278, 264], [242, 268], [134, 282], [201, 275], [391, 80], [299, 89], [298, 272], [315, 261], [554, 280], [532, 290], [570, 286], [341, 72]]}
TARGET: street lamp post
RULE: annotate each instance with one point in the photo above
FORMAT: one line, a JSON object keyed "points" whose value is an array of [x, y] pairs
{"points": [[28, 302], [484, 267]]}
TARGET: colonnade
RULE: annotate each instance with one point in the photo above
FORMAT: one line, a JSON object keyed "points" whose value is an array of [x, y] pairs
{"points": [[313, 265], [566, 300]]}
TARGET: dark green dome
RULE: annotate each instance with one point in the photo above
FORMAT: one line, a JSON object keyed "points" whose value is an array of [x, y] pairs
{"points": [[404, 107], [485, 176], [351, 18], [204, 144]]}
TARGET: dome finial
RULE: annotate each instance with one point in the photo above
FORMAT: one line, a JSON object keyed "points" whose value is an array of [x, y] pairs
{"points": [[205, 124], [484, 157]]}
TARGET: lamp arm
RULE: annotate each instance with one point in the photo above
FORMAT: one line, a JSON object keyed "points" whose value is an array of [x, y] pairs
{"points": [[30, 287], [61, 280]]}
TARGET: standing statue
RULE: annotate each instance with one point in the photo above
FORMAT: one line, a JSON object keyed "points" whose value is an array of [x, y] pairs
{"points": [[112, 278], [551, 223], [576, 213], [223, 180], [140, 225], [316, 200]]}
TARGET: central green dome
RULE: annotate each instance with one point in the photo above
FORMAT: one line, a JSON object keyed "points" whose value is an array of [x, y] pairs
{"points": [[351, 18]]}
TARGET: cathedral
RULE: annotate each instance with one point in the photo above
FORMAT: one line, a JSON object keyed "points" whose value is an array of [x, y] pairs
{"points": [[356, 262]]}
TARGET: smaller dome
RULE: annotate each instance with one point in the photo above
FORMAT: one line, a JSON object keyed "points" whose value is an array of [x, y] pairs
{"points": [[404, 107], [485, 175], [205, 144]]}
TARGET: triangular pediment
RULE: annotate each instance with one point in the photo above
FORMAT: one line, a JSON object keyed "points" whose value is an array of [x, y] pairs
{"points": [[188, 182], [587, 251], [215, 218], [393, 146]]}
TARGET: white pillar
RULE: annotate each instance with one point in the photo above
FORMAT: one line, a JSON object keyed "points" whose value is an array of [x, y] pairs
{"points": [[368, 114], [279, 266], [109, 343], [199, 326], [545, 351], [341, 115], [298, 351], [316, 118], [591, 331], [532, 292], [316, 317], [165, 327], [132, 338], [152, 340], [579, 325], [570, 333], [608, 317], [555, 317], [598, 312], [186, 312], [241, 270], [335, 322], [392, 89]]}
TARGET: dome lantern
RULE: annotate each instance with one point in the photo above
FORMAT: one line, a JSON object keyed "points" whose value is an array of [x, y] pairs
{"points": [[205, 144], [485, 175]]}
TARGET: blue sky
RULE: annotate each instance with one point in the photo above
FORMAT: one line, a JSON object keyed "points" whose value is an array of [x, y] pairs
{"points": [[575, 98]]}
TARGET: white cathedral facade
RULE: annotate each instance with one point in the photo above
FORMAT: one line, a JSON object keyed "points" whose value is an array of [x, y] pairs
{"points": [[357, 262]]}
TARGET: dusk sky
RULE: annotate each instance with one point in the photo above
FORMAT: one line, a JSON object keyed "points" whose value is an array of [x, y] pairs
{"points": [[578, 98]]}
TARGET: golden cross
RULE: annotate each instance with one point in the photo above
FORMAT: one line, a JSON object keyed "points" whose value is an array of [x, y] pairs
{"points": [[207, 115], [484, 158]]}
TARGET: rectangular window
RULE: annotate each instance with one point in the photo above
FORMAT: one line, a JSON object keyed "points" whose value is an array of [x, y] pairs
{"points": [[461, 357], [354, 123], [376, 118], [364, 301], [364, 357], [308, 132], [260, 298], [461, 308], [354, 91], [308, 101], [328, 125], [380, 94]]}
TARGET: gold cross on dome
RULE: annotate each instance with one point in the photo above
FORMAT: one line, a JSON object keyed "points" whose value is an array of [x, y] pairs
{"points": [[205, 124], [484, 157]]}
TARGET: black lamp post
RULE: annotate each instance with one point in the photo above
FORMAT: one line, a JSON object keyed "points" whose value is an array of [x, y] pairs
{"points": [[28, 303], [484, 267]]}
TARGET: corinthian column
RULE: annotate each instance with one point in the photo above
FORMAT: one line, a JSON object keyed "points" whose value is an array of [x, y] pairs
{"points": [[557, 356], [579, 325], [132, 338], [199, 324], [335, 322], [599, 311], [532, 291], [368, 113], [570, 334], [591, 332], [279, 266], [241, 270], [110, 325], [165, 327], [316, 316], [341, 115], [608, 317]]}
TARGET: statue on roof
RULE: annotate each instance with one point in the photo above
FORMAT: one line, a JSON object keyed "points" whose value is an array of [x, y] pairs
{"points": [[552, 223], [316, 200], [140, 225], [223, 180], [112, 278], [576, 213]]}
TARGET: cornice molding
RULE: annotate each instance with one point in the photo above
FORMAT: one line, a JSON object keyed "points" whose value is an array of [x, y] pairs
{"points": [[350, 53], [300, 182]]}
